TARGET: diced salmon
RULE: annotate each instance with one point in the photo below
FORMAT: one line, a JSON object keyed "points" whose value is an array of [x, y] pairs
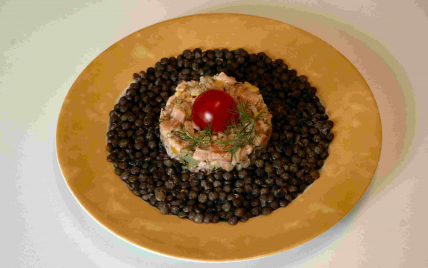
{"points": [[248, 149], [188, 126], [178, 114], [170, 105], [219, 155], [177, 144], [251, 98], [226, 79], [234, 92], [251, 88], [181, 87], [196, 126], [174, 145], [187, 105], [168, 126], [185, 95], [210, 156], [226, 165], [193, 84], [262, 127], [203, 166], [218, 85], [268, 118], [241, 156], [201, 154], [261, 140]]}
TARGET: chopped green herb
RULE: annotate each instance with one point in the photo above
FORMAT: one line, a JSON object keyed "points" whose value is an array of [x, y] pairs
{"points": [[202, 138], [243, 130]]}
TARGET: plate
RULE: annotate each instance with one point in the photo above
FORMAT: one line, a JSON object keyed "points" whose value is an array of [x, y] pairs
{"points": [[354, 153]]}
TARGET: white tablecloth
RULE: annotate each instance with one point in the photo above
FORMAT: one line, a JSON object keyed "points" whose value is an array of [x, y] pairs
{"points": [[46, 44]]}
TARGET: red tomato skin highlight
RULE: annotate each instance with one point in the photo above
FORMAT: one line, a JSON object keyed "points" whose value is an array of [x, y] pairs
{"points": [[214, 107]]}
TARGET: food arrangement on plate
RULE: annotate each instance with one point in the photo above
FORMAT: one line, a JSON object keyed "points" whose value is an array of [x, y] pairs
{"points": [[219, 135], [178, 184], [215, 124]]}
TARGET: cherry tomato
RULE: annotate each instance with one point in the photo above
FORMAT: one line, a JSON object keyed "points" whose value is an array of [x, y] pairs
{"points": [[214, 107]]}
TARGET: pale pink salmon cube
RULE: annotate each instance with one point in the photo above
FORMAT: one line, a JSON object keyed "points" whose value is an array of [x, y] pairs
{"points": [[178, 114]]}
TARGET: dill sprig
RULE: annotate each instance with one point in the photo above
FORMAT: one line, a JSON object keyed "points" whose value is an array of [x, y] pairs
{"points": [[244, 130], [202, 138]]}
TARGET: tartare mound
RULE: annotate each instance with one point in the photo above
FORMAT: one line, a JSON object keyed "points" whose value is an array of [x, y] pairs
{"points": [[176, 119]]}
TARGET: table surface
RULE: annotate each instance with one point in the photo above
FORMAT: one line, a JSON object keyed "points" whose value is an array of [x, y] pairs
{"points": [[46, 44]]}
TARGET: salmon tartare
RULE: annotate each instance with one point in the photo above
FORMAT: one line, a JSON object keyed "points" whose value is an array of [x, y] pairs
{"points": [[222, 144]]}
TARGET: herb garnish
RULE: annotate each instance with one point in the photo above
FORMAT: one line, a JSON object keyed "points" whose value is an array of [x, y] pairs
{"points": [[202, 138], [243, 132]]}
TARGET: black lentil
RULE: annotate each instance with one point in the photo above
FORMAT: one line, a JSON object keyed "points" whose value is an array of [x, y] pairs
{"points": [[296, 151]]}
